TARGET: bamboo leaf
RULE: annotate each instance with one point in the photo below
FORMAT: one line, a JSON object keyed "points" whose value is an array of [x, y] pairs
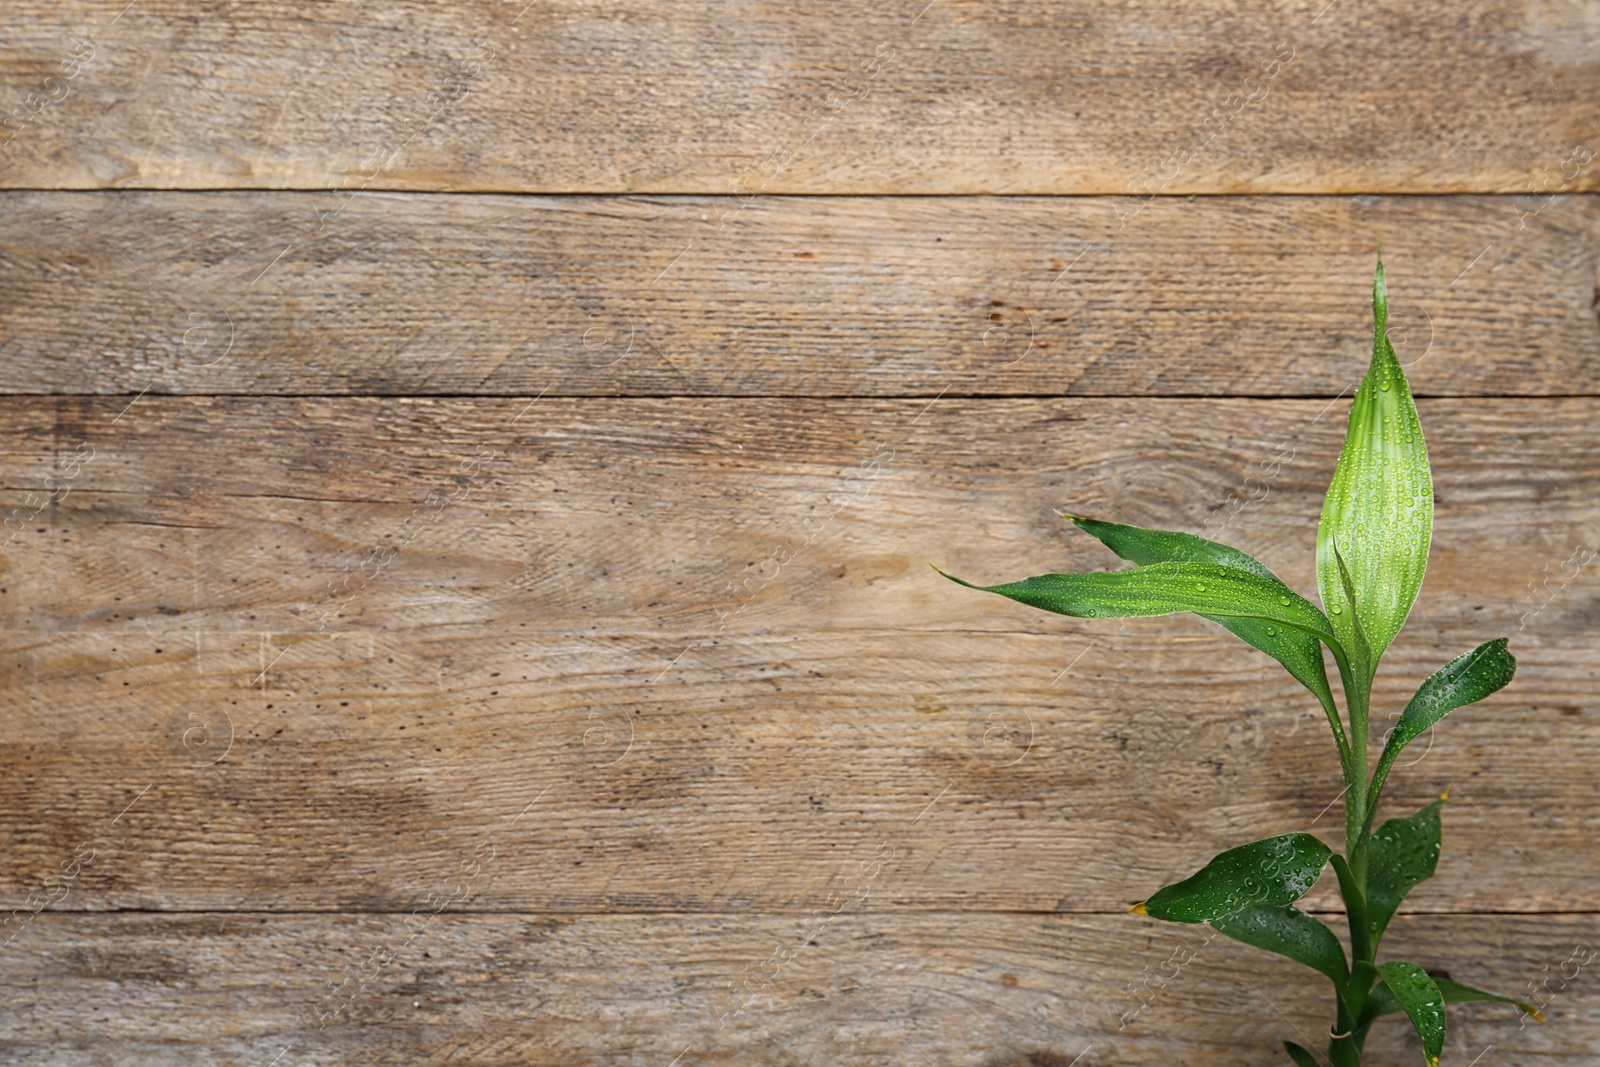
{"points": [[1465, 680], [1167, 589], [1382, 1002], [1360, 651], [1380, 502], [1278, 870], [1300, 653], [1299, 1055], [1288, 932], [1403, 852], [1422, 1002]]}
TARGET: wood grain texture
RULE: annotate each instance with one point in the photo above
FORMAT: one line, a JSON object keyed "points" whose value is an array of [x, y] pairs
{"points": [[1028, 96], [407, 294], [686, 655], [938, 989]]}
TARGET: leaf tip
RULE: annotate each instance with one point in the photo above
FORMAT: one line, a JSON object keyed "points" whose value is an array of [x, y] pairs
{"points": [[1445, 795], [1139, 909], [1433, 1061]]}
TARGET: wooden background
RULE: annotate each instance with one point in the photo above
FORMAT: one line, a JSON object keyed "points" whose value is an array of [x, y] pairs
{"points": [[470, 472]]}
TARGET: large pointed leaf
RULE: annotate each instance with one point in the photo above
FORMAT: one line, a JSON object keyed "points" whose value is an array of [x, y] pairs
{"points": [[1422, 1002], [1288, 932], [1465, 680], [1383, 1002], [1403, 852], [1279, 870], [1380, 503], [1299, 652], [1166, 589], [1300, 1056]]}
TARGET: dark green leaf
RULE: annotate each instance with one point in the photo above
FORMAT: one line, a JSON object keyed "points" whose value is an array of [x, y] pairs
{"points": [[1465, 680], [1299, 652], [1380, 502], [1403, 852], [1288, 932], [1166, 589], [1383, 1002], [1422, 1002], [1278, 870], [1300, 1056]]}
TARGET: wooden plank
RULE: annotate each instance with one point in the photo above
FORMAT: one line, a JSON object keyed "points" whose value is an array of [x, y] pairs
{"points": [[290, 654], [404, 294], [1023, 96], [852, 987]]}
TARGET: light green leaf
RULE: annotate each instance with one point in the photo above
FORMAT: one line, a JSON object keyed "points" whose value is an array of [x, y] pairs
{"points": [[1288, 932], [1383, 1002], [1465, 680], [1300, 1056], [1380, 503], [1279, 870], [1166, 589], [1403, 852], [1361, 658], [1299, 652], [1422, 1002]]}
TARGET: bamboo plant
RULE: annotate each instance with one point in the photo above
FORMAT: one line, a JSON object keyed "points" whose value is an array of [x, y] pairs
{"points": [[1372, 547]]}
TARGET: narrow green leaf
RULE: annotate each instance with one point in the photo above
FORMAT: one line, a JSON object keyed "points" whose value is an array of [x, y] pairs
{"points": [[1300, 1056], [1422, 1002], [1288, 932], [1299, 652], [1360, 651], [1465, 680], [1403, 852], [1167, 589], [1383, 1002], [1278, 870], [1380, 502]]}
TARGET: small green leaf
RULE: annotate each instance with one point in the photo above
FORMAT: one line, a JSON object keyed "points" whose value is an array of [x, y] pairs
{"points": [[1383, 1002], [1403, 852], [1167, 589], [1279, 870], [1421, 1000], [1300, 1056], [1465, 680], [1299, 652], [1288, 932], [1361, 660], [1380, 502]]}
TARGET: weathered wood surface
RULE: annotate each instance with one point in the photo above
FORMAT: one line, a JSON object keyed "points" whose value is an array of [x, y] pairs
{"points": [[404, 294], [686, 655], [940, 989], [1024, 96]]}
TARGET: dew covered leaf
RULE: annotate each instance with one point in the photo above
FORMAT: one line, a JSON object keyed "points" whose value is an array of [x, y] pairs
{"points": [[1289, 932], [1419, 997], [1382, 1002], [1380, 502], [1278, 870], [1465, 680], [1167, 589], [1298, 651], [1403, 852]]}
